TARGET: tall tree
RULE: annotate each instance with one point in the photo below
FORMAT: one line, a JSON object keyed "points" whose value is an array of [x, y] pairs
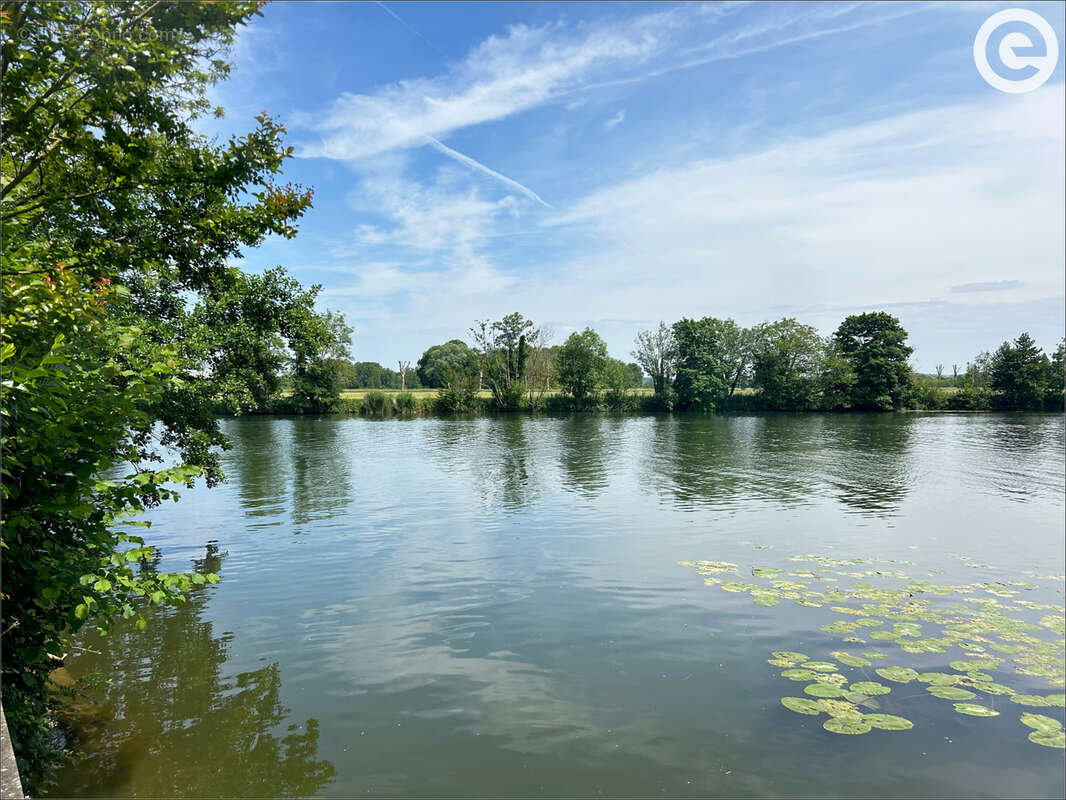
{"points": [[875, 344], [1019, 373], [788, 364], [124, 325], [503, 349], [582, 363], [656, 353], [451, 358], [703, 365]]}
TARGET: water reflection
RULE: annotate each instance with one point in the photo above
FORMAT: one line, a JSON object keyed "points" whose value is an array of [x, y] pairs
{"points": [[583, 452], [168, 722], [866, 458]]}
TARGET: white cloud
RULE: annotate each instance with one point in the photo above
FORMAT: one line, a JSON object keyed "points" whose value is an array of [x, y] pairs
{"points": [[615, 120]]}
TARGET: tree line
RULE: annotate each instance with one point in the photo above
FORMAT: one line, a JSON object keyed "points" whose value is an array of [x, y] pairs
{"points": [[713, 364]]}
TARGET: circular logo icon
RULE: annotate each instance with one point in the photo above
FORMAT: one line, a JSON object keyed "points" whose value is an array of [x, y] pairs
{"points": [[1024, 49]]}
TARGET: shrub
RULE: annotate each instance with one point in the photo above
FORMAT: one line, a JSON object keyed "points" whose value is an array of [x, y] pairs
{"points": [[405, 403], [376, 404]]}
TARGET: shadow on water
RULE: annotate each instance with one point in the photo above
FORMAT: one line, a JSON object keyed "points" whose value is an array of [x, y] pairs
{"points": [[158, 717]]}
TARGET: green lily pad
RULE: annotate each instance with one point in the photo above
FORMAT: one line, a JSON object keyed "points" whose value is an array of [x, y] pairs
{"points": [[972, 666], [887, 722], [867, 622], [1057, 739], [874, 654], [801, 705], [799, 674], [840, 626], [907, 629], [850, 660], [950, 692], [884, 635], [974, 710], [897, 674], [846, 725], [820, 666], [991, 688], [938, 678], [823, 690], [830, 677], [789, 655], [869, 688], [1056, 699], [1039, 722], [1030, 700], [840, 708]]}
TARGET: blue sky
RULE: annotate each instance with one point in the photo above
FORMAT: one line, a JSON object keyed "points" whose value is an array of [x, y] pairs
{"points": [[611, 165]]}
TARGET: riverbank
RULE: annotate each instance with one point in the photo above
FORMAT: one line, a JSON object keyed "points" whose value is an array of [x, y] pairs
{"points": [[431, 402]]}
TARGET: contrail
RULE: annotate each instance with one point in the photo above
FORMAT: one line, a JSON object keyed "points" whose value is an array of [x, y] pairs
{"points": [[468, 161], [399, 19]]}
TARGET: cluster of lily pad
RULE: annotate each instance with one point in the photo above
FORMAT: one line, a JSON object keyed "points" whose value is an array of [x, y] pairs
{"points": [[984, 626]]}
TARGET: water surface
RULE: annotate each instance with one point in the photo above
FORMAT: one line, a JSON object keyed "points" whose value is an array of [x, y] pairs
{"points": [[494, 607]]}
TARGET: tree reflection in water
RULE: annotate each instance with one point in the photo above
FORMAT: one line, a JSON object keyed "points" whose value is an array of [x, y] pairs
{"points": [[165, 721]]}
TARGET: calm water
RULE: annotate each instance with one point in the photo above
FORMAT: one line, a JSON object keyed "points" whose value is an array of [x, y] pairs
{"points": [[494, 607]]}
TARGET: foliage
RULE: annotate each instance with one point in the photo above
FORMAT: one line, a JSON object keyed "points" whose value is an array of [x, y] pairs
{"points": [[787, 365], [656, 354], [583, 361], [1020, 373], [502, 348], [124, 324], [874, 345], [701, 364], [441, 361]]}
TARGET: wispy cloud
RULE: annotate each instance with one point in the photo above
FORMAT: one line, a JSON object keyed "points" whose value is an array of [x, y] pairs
{"points": [[986, 286], [615, 120]]}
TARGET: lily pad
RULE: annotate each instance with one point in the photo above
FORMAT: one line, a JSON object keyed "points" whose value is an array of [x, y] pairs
{"points": [[823, 690], [1056, 699], [1030, 700], [846, 725], [821, 666], [850, 660], [801, 705], [975, 710], [840, 626], [1057, 739], [992, 688], [840, 708], [950, 692], [874, 654], [897, 674], [798, 674], [1039, 722], [789, 655], [884, 635], [938, 678], [887, 722], [869, 688]]}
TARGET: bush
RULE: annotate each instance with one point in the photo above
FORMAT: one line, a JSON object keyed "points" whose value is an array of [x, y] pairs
{"points": [[405, 403], [968, 399], [376, 404]]}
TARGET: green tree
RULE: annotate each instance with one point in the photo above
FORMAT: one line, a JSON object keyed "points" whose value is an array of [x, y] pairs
{"points": [[875, 345], [503, 349], [1056, 386], [582, 362], [702, 364], [451, 358], [124, 325], [1019, 373], [787, 365], [636, 375], [656, 353]]}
